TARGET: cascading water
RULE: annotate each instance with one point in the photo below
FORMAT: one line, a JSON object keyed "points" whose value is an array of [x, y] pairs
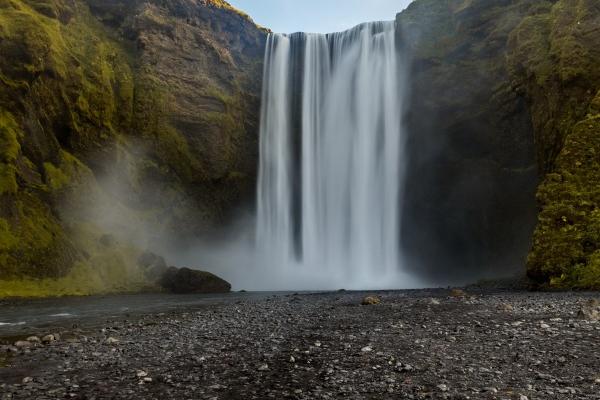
{"points": [[332, 159]]}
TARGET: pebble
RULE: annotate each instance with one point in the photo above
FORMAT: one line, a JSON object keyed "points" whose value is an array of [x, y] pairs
{"points": [[48, 338], [23, 344], [371, 301], [459, 293], [276, 350]]}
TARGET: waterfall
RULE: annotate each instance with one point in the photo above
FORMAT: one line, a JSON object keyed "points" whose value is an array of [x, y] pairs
{"points": [[332, 158]]}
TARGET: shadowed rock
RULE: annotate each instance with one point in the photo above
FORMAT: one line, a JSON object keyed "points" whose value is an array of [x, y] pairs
{"points": [[185, 280], [154, 266]]}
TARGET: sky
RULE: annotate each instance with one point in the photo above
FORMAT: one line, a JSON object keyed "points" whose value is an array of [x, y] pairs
{"points": [[318, 16]]}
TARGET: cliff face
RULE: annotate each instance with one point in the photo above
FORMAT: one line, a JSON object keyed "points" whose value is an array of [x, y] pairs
{"points": [[123, 123], [505, 95], [116, 117], [554, 58], [470, 206]]}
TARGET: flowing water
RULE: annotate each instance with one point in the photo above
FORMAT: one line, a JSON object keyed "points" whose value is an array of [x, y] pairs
{"points": [[332, 159]]}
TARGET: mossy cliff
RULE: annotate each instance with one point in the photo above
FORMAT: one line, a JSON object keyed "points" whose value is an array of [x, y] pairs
{"points": [[505, 103], [117, 116], [554, 58]]}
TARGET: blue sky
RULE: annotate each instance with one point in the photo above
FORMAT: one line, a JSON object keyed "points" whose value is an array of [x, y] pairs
{"points": [[322, 16]]}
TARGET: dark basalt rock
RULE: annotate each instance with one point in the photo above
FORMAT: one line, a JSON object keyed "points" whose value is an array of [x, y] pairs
{"points": [[186, 280], [154, 266]]}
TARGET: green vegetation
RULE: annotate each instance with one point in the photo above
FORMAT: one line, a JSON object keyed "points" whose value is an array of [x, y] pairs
{"points": [[553, 59], [10, 135], [82, 101], [566, 247]]}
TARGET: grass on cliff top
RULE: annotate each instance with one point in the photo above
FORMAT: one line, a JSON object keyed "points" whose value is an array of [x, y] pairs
{"points": [[225, 5]]}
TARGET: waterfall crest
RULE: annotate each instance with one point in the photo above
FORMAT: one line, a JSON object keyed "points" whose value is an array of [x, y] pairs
{"points": [[332, 158]]}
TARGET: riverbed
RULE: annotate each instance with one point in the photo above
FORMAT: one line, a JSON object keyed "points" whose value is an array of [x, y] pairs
{"points": [[414, 344]]}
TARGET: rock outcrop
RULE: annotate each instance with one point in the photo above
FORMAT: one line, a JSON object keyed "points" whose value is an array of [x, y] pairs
{"points": [[505, 95], [470, 207], [186, 280], [134, 118]]}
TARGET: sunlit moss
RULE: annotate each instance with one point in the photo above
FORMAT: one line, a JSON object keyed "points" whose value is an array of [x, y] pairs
{"points": [[74, 89]]}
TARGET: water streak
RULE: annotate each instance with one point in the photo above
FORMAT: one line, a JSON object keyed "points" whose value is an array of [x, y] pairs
{"points": [[332, 159]]}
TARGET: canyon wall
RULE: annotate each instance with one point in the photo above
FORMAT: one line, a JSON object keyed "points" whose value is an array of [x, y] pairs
{"points": [[504, 105], [122, 123], [127, 125]]}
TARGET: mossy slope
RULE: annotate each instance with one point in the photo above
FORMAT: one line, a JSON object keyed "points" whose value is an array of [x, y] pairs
{"points": [[93, 122]]}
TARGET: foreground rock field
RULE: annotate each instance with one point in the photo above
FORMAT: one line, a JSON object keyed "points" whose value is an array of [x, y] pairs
{"points": [[412, 345]]}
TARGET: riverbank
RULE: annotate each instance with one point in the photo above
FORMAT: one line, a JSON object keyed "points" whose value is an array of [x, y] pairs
{"points": [[414, 344]]}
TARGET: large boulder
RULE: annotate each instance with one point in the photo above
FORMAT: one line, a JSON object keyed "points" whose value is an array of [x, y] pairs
{"points": [[154, 266], [186, 280]]}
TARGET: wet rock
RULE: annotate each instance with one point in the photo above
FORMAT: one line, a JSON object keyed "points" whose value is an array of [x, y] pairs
{"points": [[370, 301], [47, 339], [490, 389], [263, 367], [112, 340], [185, 280], [154, 266], [23, 344], [458, 293], [34, 339], [590, 311]]}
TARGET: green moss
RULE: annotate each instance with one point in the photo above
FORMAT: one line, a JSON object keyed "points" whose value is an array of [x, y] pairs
{"points": [[8, 179], [84, 279], [55, 177], [69, 174], [76, 93], [165, 142], [10, 134], [7, 240], [531, 42], [567, 239], [553, 60]]}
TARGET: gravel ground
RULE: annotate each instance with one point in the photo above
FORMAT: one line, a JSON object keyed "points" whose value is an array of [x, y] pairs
{"points": [[413, 345]]}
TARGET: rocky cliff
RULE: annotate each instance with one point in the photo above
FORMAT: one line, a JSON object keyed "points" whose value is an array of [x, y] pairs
{"points": [[504, 103], [121, 123], [125, 123]]}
